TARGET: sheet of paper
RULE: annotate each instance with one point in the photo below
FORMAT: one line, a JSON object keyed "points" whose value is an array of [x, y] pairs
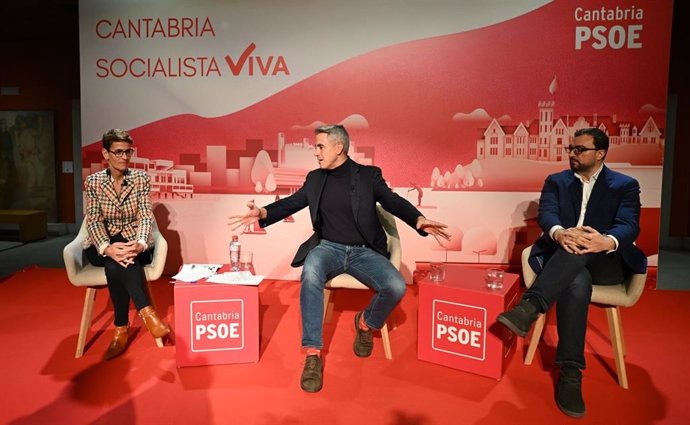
{"points": [[196, 272], [236, 278]]}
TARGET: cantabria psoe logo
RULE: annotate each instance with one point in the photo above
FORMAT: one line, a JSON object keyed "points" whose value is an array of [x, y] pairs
{"points": [[605, 27], [250, 62], [217, 325], [459, 329]]}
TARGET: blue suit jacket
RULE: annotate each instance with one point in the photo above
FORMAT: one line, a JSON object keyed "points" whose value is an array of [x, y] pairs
{"points": [[367, 187], [613, 208]]}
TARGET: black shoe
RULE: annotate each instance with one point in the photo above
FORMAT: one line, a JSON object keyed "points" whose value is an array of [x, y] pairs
{"points": [[312, 375], [364, 340], [569, 392], [519, 318]]}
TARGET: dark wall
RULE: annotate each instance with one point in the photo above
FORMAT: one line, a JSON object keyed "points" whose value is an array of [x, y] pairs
{"points": [[679, 85], [39, 54]]}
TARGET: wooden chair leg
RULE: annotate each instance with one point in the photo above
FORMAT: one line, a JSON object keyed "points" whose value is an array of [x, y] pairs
{"points": [[616, 342], [620, 326], [386, 342], [86, 315], [390, 321], [328, 296], [534, 339]]}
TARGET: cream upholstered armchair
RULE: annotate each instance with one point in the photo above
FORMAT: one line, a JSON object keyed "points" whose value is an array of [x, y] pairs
{"points": [[609, 297], [82, 274], [345, 281]]}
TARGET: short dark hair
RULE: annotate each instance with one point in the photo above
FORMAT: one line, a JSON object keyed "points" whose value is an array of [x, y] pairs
{"points": [[601, 140], [115, 135], [337, 132]]}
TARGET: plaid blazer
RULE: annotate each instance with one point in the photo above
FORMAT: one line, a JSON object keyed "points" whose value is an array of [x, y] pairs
{"points": [[108, 214]]}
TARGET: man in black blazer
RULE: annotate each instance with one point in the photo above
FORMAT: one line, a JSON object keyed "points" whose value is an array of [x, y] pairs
{"points": [[590, 218], [348, 238]]}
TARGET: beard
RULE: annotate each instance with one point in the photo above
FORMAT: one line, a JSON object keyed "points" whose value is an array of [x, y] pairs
{"points": [[581, 168]]}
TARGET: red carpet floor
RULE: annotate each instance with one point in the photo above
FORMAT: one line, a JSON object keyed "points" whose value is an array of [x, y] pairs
{"points": [[42, 382]]}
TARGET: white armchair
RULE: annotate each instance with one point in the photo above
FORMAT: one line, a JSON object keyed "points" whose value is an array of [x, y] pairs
{"points": [[609, 297], [82, 274]]}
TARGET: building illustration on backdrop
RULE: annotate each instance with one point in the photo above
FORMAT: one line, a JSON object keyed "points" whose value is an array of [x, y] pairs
{"points": [[249, 170], [545, 139], [166, 178]]}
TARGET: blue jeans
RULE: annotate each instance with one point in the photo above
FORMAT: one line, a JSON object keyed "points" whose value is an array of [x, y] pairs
{"points": [[328, 260]]}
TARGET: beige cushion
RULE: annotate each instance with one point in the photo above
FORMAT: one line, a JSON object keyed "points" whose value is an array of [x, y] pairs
{"points": [[81, 273]]}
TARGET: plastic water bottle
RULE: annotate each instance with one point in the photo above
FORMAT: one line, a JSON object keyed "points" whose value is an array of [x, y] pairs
{"points": [[235, 254]]}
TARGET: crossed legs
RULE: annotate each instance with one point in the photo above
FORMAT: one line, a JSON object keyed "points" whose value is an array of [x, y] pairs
{"points": [[566, 280]]}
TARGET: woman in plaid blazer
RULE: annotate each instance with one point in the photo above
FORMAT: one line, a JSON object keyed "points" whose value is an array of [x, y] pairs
{"points": [[119, 221]]}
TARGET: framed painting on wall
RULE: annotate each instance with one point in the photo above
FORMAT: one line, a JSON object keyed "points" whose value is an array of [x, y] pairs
{"points": [[27, 161]]}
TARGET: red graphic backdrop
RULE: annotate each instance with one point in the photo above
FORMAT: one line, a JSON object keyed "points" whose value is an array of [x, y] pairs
{"points": [[423, 111], [409, 93]]}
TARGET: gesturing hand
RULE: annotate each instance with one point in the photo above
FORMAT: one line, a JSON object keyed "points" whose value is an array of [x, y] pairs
{"points": [[252, 216], [434, 228]]}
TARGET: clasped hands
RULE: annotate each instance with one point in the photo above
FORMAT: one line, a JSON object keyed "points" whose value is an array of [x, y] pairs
{"points": [[583, 240], [124, 252]]}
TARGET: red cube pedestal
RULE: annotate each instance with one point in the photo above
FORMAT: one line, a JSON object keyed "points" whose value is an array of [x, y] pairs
{"points": [[216, 323], [457, 321]]}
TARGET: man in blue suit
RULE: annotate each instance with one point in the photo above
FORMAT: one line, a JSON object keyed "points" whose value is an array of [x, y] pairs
{"points": [[348, 238], [590, 218]]}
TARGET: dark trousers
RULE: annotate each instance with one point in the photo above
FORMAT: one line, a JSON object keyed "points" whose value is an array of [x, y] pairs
{"points": [[123, 282], [567, 280]]}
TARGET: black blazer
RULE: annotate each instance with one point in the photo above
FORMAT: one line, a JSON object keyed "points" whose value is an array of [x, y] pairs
{"points": [[613, 208], [367, 187]]}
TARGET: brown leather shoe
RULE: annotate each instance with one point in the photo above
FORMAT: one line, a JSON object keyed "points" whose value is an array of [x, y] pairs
{"points": [[312, 374], [155, 325], [119, 343], [364, 340]]}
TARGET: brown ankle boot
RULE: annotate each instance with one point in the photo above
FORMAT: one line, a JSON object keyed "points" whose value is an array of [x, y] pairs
{"points": [[155, 325], [119, 343]]}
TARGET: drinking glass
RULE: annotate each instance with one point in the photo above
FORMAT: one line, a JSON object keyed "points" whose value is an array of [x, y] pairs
{"points": [[437, 272], [494, 278], [246, 258]]}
